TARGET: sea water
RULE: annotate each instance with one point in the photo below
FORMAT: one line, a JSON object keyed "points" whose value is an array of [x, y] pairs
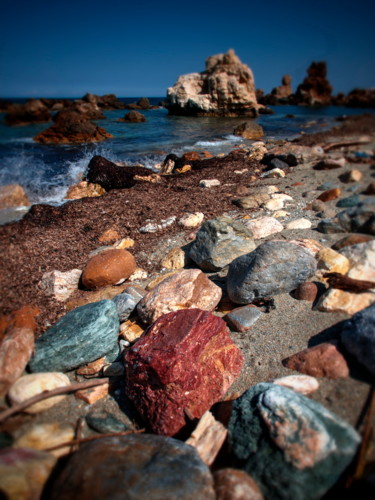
{"points": [[46, 171]]}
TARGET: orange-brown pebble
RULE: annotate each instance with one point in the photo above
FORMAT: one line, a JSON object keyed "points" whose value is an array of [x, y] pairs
{"points": [[109, 236], [306, 291], [108, 268], [330, 194]]}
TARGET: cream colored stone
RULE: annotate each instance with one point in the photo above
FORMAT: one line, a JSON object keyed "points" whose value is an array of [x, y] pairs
{"points": [[264, 226], [279, 214], [130, 331], [331, 261], [175, 259], [209, 183], [353, 175], [208, 438], [299, 224], [192, 220], [138, 275], [45, 436], [125, 243], [61, 285], [275, 173], [274, 204], [304, 384], [84, 189], [30, 385], [282, 196], [340, 301]]}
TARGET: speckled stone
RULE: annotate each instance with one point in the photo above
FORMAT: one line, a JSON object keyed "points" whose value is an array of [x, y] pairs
{"points": [[219, 241], [358, 337], [127, 301], [140, 467], [81, 336], [292, 446], [274, 267]]}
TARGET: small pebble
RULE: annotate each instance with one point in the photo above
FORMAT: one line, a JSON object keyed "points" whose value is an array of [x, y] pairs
{"points": [[304, 384], [299, 224], [209, 183], [331, 194], [351, 176], [306, 291]]}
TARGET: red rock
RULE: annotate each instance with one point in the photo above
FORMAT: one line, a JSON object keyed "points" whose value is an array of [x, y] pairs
{"points": [[108, 268], [183, 364], [306, 291], [15, 351], [235, 484], [323, 360], [330, 194]]}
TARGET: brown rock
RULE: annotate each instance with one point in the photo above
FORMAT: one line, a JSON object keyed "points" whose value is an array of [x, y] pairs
{"points": [[93, 394], [106, 293], [249, 130], [183, 364], [235, 484], [21, 318], [331, 194], [108, 268], [110, 235], [315, 88], [13, 195], [15, 352], [370, 188], [323, 360], [191, 156], [33, 111], [352, 239], [306, 291], [185, 289], [133, 117], [84, 189], [175, 259], [353, 175], [93, 368]]}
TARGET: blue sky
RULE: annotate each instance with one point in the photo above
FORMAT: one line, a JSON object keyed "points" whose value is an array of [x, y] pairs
{"points": [[51, 48]]}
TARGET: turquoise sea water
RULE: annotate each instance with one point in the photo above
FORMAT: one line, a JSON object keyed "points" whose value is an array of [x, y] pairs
{"points": [[46, 171]]}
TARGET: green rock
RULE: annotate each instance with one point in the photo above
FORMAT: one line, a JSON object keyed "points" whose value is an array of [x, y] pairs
{"points": [[350, 201], [81, 336], [293, 447], [219, 241]]}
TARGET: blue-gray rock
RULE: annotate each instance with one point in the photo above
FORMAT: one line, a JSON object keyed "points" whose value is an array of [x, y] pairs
{"points": [[277, 163], [141, 467], [106, 423], [358, 337], [350, 201], [360, 219], [127, 301], [274, 267], [329, 226], [326, 186], [293, 447], [242, 319], [218, 242], [81, 336]]}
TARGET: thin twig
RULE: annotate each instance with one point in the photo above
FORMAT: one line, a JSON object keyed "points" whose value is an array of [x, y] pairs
{"points": [[93, 438], [48, 394], [342, 282]]}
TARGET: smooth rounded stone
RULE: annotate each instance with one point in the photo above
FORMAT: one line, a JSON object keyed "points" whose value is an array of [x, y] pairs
{"points": [[264, 226], [329, 260], [323, 360], [304, 384], [191, 220], [59, 284], [280, 214], [306, 291], [81, 336], [330, 163], [209, 183], [335, 300], [274, 267], [235, 484], [292, 446], [277, 163], [329, 195], [127, 301], [358, 337], [185, 362], [106, 423], [328, 226], [185, 289], [48, 435], [326, 186], [359, 219], [31, 385], [24, 472], [274, 204], [316, 206], [299, 224], [352, 239], [108, 268], [350, 201], [176, 258], [219, 241], [143, 467], [242, 319], [275, 173], [353, 175], [252, 201], [249, 130]]}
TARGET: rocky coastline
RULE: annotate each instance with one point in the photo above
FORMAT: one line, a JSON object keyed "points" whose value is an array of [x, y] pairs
{"points": [[238, 289]]}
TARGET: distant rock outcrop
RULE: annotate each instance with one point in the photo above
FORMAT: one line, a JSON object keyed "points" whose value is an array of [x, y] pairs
{"points": [[72, 127], [225, 88], [33, 111], [315, 88], [143, 103], [285, 89]]}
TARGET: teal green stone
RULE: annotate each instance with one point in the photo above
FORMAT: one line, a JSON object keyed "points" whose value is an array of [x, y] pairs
{"points": [[81, 336], [350, 201], [293, 447]]}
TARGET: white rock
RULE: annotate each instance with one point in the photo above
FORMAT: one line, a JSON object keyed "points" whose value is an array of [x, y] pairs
{"points": [[209, 183], [298, 224], [60, 284], [279, 214], [139, 274], [282, 196], [30, 385], [303, 384], [264, 226], [274, 204], [192, 220], [44, 436], [153, 227], [275, 172]]}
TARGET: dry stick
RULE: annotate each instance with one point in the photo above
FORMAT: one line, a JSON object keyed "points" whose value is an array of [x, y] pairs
{"points": [[48, 394], [342, 282], [335, 145], [93, 438]]}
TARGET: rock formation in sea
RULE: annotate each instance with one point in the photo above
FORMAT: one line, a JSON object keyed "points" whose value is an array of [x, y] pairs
{"points": [[225, 88], [315, 88]]}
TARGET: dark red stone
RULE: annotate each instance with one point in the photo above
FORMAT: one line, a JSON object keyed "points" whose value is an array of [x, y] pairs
{"points": [[306, 291], [183, 364]]}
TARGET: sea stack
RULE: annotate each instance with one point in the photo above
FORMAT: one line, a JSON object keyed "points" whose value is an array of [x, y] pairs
{"points": [[315, 88], [225, 88]]}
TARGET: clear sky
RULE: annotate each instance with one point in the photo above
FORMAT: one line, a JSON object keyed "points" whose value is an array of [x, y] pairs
{"points": [[140, 47]]}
